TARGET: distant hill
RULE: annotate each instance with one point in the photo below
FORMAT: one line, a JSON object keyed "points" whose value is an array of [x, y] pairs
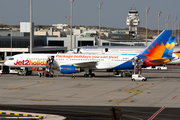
{"points": [[141, 30]]}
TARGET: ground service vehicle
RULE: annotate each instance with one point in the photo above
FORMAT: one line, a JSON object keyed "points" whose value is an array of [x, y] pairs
{"points": [[138, 77]]}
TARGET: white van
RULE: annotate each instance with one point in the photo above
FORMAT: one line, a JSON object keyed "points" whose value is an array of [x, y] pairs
{"points": [[138, 77]]}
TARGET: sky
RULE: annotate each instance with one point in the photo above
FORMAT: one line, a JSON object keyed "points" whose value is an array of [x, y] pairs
{"points": [[85, 12]]}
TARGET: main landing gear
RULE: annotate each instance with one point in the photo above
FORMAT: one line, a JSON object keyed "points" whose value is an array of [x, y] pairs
{"points": [[88, 73]]}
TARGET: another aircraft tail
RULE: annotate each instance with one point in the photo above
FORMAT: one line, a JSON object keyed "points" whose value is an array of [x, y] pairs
{"points": [[170, 47], [177, 53]]}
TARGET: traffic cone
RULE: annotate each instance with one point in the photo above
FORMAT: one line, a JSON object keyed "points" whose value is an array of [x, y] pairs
{"points": [[0, 74], [93, 77], [57, 76], [163, 78]]}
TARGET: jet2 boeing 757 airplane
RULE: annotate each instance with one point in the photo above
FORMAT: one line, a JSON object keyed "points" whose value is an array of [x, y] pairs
{"points": [[155, 54]]}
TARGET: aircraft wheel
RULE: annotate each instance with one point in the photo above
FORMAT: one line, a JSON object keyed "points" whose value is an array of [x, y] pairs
{"points": [[86, 75], [122, 75], [92, 75]]}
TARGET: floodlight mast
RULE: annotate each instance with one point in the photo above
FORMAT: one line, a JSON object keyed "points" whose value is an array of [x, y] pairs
{"points": [[167, 21], [31, 34], [11, 38], [71, 23], [147, 10], [178, 33], [174, 27], [100, 4], [159, 13]]}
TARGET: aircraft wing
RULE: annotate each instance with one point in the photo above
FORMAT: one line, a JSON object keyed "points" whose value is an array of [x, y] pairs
{"points": [[161, 60], [85, 64]]}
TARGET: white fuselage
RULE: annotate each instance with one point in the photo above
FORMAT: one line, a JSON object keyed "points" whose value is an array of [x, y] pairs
{"points": [[96, 61], [118, 50]]}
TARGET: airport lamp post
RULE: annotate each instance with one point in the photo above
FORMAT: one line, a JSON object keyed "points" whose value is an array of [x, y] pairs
{"points": [[172, 28], [159, 13], [71, 23], [31, 26], [178, 33], [167, 21], [100, 22], [175, 25], [11, 41], [147, 10]]}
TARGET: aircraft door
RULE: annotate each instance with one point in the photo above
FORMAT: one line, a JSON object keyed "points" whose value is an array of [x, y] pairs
{"points": [[106, 49], [79, 50]]}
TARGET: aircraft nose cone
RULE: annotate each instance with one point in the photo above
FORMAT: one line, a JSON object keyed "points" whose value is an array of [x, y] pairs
{"points": [[6, 63]]}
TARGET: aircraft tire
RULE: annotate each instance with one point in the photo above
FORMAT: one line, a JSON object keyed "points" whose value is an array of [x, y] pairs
{"points": [[86, 75], [92, 75], [122, 75]]}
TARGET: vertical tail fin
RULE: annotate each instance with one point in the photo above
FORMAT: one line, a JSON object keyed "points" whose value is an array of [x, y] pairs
{"points": [[159, 51], [156, 49]]}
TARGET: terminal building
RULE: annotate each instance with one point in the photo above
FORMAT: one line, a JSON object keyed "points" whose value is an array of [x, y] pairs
{"points": [[16, 42], [56, 39]]}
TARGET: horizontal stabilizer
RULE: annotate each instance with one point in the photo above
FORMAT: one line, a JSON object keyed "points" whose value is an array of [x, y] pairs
{"points": [[160, 60], [177, 51]]}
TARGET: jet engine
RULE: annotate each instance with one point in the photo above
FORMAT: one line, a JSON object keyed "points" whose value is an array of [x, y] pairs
{"points": [[68, 69]]}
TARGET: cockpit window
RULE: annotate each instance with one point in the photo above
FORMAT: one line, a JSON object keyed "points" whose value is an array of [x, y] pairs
{"points": [[11, 59]]}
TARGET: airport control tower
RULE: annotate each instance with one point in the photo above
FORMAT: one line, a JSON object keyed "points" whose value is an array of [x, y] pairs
{"points": [[133, 20]]}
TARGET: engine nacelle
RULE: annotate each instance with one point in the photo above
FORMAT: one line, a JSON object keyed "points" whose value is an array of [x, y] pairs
{"points": [[67, 69]]}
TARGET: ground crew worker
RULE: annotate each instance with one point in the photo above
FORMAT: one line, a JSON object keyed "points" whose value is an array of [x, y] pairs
{"points": [[44, 73], [40, 74], [73, 76], [52, 73]]}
